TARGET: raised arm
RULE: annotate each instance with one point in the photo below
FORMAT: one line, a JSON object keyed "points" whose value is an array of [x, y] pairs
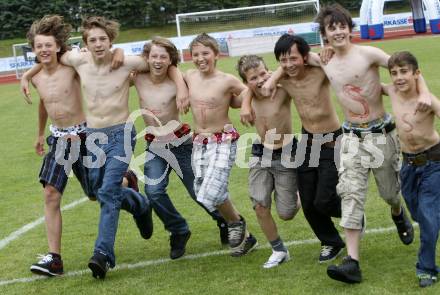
{"points": [[270, 85], [435, 105], [42, 120], [247, 116], [182, 96], [24, 82], [425, 99]]}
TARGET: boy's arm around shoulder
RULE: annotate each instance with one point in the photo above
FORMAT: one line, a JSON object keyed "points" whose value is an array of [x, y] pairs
{"points": [[435, 105], [24, 82], [182, 95]]}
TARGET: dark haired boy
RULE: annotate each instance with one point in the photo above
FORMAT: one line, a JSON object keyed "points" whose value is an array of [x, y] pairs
{"points": [[317, 175], [420, 172]]}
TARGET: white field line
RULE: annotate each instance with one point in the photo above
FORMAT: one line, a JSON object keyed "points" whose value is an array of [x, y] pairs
{"points": [[16, 234], [187, 257]]}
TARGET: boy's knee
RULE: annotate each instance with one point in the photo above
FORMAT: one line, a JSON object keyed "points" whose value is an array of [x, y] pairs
{"points": [[52, 195], [286, 216], [261, 210]]}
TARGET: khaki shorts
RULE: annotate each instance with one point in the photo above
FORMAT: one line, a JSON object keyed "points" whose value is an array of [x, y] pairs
{"points": [[376, 152], [278, 179]]}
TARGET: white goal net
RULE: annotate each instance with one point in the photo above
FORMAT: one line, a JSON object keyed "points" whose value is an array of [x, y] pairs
{"points": [[25, 58], [252, 29]]}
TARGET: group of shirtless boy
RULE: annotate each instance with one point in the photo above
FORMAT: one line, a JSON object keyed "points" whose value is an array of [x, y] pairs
{"points": [[325, 171]]}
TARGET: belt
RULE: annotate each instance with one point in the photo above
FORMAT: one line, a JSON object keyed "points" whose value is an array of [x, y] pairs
{"points": [[182, 131], [420, 159], [387, 128], [217, 137]]}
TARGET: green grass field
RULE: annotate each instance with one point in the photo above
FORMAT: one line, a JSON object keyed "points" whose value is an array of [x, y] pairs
{"points": [[387, 265]]}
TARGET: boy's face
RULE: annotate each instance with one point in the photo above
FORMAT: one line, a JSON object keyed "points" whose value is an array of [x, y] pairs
{"points": [[159, 60], [404, 78], [337, 34], [256, 77], [98, 43], [45, 48], [292, 63], [203, 58]]}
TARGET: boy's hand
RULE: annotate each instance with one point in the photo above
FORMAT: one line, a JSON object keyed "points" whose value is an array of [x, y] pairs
{"points": [[247, 115], [423, 103], [182, 100], [326, 54], [24, 87], [117, 59], [39, 145], [268, 88]]}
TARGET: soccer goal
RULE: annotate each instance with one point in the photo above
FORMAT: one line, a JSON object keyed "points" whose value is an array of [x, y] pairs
{"points": [[25, 58], [253, 29]]}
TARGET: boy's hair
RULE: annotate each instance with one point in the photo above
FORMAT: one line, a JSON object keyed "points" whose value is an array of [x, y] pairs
{"points": [[165, 43], [51, 25], [333, 14], [285, 43], [247, 62], [403, 58], [110, 27], [205, 40]]}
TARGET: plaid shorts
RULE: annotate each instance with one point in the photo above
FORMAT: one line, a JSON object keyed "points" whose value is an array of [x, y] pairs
{"points": [[54, 170], [212, 164]]}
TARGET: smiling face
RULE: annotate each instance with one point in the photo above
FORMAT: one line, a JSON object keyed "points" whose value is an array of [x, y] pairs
{"points": [[255, 78], [45, 48], [338, 35], [404, 78], [204, 58], [159, 60], [292, 62], [98, 43]]}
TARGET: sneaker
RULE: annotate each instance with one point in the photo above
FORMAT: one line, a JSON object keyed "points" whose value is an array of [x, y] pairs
{"points": [[277, 258], [144, 222], [132, 180], [223, 231], [426, 280], [329, 253], [348, 271], [237, 235], [178, 244], [249, 245], [99, 265], [404, 227], [48, 265]]}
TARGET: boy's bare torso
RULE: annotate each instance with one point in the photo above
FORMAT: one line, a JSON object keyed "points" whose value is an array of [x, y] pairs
{"points": [[106, 92], [61, 94], [416, 129], [210, 97], [355, 78], [311, 96]]}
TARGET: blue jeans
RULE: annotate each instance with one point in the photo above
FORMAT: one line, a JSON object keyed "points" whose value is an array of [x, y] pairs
{"points": [[105, 180], [422, 196], [159, 162]]}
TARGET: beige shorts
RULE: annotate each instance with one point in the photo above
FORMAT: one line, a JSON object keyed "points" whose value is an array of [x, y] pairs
{"points": [[278, 179], [378, 153]]}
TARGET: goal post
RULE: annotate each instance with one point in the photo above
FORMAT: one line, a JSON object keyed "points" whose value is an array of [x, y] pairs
{"points": [[24, 58], [256, 24]]}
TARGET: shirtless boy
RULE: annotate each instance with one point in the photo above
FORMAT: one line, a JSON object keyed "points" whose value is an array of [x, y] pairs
{"points": [[60, 100], [211, 92], [318, 174], [157, 96], [420, 172], [369, 133], [270, 116]]}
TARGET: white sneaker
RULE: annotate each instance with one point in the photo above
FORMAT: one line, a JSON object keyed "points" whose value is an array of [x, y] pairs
{"points": [[277, 258]]}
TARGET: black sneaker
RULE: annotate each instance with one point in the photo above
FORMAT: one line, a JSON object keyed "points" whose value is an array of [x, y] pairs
{"points": [[237, 235], [404, 227], [144, 222], [99, 265], [49, 265], [132, 180], [178, 244], [348, 271], [223, 230], [426, 280], [329, 253], [250, 244]]}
